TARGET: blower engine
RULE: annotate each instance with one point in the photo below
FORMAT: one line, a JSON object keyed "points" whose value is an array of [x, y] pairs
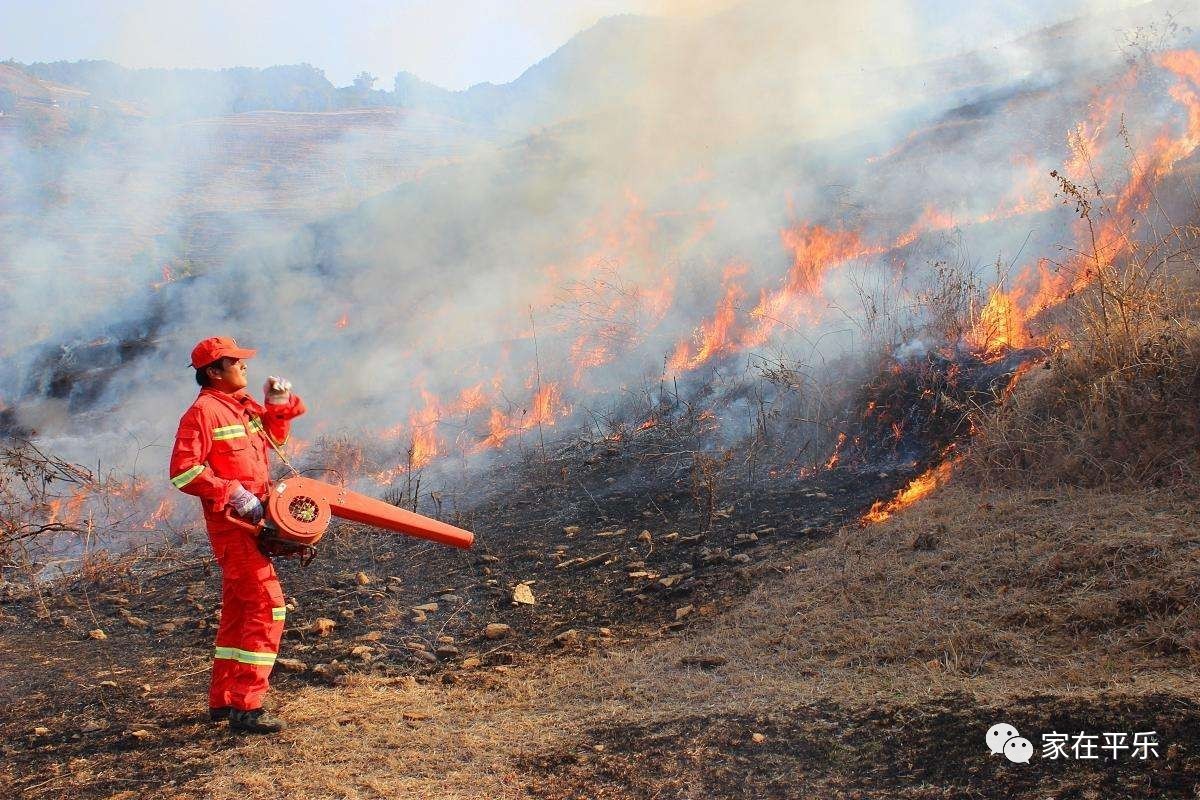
{"points": [[298, 511]]}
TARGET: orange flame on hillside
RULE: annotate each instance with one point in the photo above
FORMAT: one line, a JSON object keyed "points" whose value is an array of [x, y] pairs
{"points": [[920, 487], [713, 336], [165, 506], [1000, 326], [622, 275], [544, 408]]}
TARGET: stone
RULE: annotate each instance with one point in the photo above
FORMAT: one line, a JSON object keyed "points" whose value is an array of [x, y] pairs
{"points": [[98, 634], [446, 651], [426, 656], [323, 626], [137, 622], [523, 594], [445, 640], [757, 738], [346, 613], [291, 664], [567, 638], [362, 652], [471, 662], [362, 579], [497, 630], [109, 684], [428, 608], [165, 628], [571, 530], [450, 598], [41, 731], [645, 536], [683, 611], [703, 661], [419, 616], [606, 632], [142, 734]]}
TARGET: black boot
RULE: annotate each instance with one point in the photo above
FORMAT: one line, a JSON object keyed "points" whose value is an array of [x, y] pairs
{"points": [[219, 714], [254, 721]]}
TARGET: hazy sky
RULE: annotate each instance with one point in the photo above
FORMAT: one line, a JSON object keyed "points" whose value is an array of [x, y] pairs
{"points": [[454, 43]]}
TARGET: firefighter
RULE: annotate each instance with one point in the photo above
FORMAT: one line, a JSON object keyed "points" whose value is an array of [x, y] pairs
{"points": [[220, 456]]}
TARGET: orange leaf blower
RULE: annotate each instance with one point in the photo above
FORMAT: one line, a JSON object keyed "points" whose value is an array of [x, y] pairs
{"points": [[298, 511]]}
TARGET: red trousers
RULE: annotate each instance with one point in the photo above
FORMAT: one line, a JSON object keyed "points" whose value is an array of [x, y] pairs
{"points": [[252, 615]]}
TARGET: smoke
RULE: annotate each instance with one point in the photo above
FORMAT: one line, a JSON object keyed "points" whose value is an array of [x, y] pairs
{"points": [[453, 284]]}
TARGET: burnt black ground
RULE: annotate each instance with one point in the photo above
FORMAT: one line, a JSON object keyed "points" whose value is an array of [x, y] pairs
{"points": [[54, 673], [932, 750]]}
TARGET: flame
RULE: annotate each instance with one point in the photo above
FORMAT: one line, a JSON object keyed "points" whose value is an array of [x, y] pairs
{"points": [[342, 322], [68, 512], [931, 219], [713, 336], [835, 457], [616, 278], [1000, 326], [165, 506], [920, 486], [166, 278], [545, 407]]}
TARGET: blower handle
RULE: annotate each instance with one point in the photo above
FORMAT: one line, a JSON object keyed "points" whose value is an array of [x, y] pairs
{"points": [[249, 527]]}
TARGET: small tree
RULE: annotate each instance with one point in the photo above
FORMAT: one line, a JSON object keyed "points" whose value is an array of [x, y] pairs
{"points": [[364, 81]]}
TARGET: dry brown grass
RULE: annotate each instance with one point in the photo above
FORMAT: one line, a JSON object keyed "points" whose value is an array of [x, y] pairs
{"points": [[1080, 594], [1116, 404]]}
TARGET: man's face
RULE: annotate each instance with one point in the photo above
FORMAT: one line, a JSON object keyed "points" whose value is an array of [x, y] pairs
{"points": [[231, 378]]}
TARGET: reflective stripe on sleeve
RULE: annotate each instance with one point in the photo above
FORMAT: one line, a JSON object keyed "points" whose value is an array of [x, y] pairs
{"points": [[228, 432], [244, 656], [279, 613], [184, 478], [256, 425]]}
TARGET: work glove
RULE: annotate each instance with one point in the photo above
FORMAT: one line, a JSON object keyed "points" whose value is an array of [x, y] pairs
{"points": [[246, 505], [278, 390]]}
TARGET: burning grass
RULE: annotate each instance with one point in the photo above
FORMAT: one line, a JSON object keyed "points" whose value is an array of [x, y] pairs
{"points": [[1116, 401]]}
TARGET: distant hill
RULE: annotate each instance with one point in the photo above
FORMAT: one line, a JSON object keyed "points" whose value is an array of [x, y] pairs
{"points": [[757, 51]]}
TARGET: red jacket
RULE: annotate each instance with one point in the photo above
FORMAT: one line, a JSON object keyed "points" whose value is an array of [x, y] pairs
{"points": [[222, 438]]}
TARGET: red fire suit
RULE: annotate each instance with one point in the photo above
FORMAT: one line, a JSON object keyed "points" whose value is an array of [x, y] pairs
{"points": [[222, 440]]}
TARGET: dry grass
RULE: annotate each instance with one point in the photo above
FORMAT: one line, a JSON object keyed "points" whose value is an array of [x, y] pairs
{"points": [[1081, 594], [1116, 403]]}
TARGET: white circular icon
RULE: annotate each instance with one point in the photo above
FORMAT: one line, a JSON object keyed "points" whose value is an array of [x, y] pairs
{"points": [[1018, 750], [998, 734]]}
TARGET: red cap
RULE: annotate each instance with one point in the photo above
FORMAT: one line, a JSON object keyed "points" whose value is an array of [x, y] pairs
{"points": [[210, 350]]}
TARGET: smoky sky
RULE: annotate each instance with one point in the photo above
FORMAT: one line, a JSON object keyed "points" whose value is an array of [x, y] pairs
{"points": [[394, 262]]}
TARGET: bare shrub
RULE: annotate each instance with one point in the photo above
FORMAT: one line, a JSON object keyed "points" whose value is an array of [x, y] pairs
{"points": [[36, 491]]}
